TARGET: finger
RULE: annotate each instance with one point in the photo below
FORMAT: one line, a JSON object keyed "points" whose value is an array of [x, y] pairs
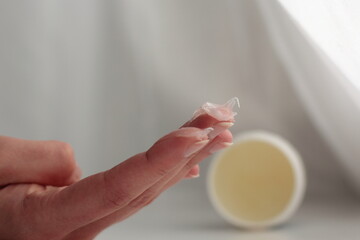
{"points": [[202, 121], [205, 121], [199, 121], [91, 230], [223, 140], [101, 194], [194, 172], [42, 162]]}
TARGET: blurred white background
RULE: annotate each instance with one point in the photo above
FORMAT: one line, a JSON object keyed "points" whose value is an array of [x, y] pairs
{"points": [[110, 77]]}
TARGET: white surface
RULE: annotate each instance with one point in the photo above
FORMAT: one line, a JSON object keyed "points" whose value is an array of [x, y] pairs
{"points": [[178, 216]]}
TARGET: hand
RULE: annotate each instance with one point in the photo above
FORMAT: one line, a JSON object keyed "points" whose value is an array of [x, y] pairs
{"points": [[41, 196]]}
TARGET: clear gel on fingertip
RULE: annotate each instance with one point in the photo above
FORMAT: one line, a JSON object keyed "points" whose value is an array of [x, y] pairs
{"points": [[220, 112]]}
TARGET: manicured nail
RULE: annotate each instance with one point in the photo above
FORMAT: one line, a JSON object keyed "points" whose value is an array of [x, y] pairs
{"points": [[219, 146], [219, 128], [205, 132], [225, 124], [196, 147], [195, 176], [201, 133]]}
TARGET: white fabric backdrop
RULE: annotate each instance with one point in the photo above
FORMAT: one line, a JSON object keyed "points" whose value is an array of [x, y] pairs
{"points": [[110, 77], [318, 44]]}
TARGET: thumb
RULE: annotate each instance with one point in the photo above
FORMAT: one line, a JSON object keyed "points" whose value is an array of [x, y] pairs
{"points": [[42, 162]]}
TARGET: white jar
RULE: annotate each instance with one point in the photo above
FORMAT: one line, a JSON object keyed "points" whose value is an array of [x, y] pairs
{"points": [[258, 182]]}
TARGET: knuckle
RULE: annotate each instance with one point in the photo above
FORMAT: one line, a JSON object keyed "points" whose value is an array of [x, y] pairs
{"points": [[32, 218], [143, 200], [160, 169], [188, 166], [114, 198], [25, 215]]}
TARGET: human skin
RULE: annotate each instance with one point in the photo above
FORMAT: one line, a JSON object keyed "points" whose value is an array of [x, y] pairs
{"points": [[43, 198]]}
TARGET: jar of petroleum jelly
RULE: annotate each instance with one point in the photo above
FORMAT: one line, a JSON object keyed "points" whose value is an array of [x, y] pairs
{"points": [[258, 182]]}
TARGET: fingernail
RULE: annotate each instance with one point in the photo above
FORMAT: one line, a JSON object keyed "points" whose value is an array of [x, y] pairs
{"points": [[195, 176], [219, 146], [225, 124], [201, 133], [205, 132], [194, 148], [219, 128]]}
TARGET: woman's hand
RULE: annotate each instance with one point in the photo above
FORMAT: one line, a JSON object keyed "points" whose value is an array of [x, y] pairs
{"points": [[41, 197]]}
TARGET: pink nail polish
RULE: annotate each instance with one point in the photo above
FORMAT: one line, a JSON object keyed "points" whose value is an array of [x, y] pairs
{"points": [[220, 146], [196, 147]]}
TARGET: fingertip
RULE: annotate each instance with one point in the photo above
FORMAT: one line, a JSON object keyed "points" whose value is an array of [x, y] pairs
{"points": [[178, 145], [202, 121], [76, 176], [225, 136], [194, 172]]}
